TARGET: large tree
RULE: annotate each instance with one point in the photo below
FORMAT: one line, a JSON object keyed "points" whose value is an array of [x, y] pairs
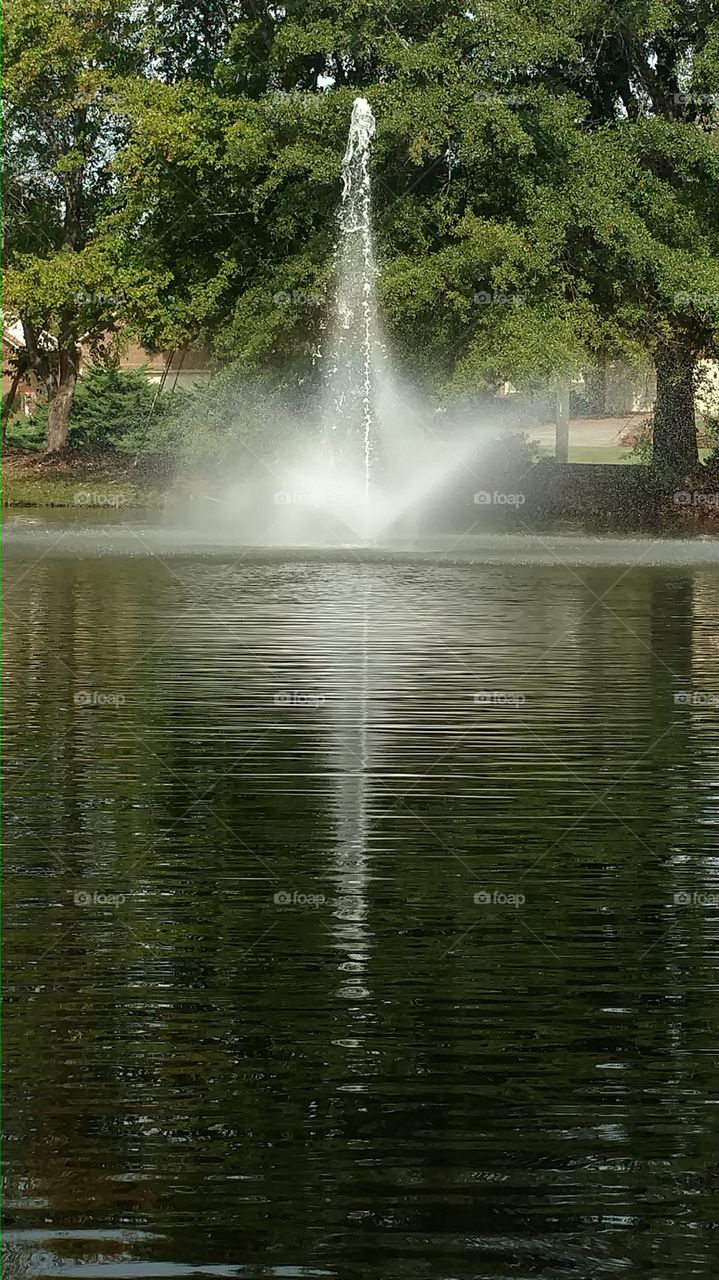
{"points": [[545, 188], [648, 219], [233, 177], [545, 180], [60, 253]]}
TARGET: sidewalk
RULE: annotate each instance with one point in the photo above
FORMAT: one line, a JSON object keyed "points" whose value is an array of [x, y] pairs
{"points": [[596, 433]]}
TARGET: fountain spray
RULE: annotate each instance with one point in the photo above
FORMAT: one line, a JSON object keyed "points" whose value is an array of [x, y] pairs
{"points": [[355, 304]]}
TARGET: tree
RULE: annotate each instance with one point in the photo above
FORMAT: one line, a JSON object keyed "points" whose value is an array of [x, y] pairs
{"points": [[546, 178], [235, 184], [189, 38], [545, 184], [115, 408], [17, 371], [649, 73], [61, 133]]}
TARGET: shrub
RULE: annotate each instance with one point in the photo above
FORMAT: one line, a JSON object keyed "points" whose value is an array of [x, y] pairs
{"points": [[239, 414], [113, 409], [709, 439], [28, 430], [640, 439]]}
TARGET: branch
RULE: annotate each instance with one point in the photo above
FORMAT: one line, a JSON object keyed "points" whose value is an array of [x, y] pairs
{"points": [[38, 359]]}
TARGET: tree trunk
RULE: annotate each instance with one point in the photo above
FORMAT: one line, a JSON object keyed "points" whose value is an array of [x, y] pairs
{"points": [[675, 434], [8, 401], [60, 405], [595, 382], [561, 420]]}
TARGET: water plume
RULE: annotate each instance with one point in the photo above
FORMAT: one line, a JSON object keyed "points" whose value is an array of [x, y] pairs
{"points": [[376, 455]]}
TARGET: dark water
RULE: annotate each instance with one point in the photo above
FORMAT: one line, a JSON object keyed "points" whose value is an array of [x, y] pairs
{"points": [[257, 1024]]}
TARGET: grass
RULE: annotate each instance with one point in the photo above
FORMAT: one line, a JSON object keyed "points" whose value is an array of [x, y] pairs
{"points": [[612, 455], [609, 455], [32, 491], [78, 481], [111, 482]]}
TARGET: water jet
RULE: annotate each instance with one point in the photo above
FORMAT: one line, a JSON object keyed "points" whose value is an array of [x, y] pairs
{"points": [[379, 455]]}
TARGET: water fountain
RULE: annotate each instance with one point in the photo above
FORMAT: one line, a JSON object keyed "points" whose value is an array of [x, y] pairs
{"points": [[386, 454], [380, 455], [353, 360]]}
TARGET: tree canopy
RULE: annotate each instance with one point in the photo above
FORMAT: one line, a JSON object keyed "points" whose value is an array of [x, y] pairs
{"points": [[545, 179]]}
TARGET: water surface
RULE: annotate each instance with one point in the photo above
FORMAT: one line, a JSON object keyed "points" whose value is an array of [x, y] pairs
{"points": [[362, 910]]}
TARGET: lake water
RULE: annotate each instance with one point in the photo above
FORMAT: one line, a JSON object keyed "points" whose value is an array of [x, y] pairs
{"points": [[362, 910]]}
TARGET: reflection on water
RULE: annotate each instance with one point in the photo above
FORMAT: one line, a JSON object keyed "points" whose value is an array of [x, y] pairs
{"points": [[257, 1023]]}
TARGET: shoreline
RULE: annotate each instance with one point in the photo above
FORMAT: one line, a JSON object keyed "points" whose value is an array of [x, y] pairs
{"points": [[84, 479], [600, 498]]}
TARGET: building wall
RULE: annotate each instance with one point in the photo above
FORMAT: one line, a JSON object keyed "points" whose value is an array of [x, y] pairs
{"points": [[27, 389], [708, 390], [626, 390], [182, 369]]}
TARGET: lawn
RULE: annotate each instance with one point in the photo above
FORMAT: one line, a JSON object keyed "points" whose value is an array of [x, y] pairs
{"points": [[609, 455]]}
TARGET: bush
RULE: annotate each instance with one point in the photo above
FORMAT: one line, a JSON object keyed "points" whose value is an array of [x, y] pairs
{"points": [[240, 414], [28, 431], [112, 409], [709, 439], [640, 438]]}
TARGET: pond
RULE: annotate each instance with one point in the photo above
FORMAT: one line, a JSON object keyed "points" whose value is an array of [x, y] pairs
{"points": [[362, 910]]}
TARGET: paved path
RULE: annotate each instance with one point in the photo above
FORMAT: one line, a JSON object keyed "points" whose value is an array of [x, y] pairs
{"points": [[594, 433]]}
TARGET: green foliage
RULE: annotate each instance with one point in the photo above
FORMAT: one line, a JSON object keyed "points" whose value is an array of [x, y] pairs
{"points": [[640, 441], [256, 414], [110, 406], [112, 409], [60, 136], [507, 458], [28, 431], [545, 181], [503, 165]]}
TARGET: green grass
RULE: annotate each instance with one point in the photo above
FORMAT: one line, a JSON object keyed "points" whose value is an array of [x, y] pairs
{"points": [[612, 455], [609, 455], [79, 494]]}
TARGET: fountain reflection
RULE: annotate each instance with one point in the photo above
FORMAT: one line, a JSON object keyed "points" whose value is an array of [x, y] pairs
{"points": [[351, 745]]}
